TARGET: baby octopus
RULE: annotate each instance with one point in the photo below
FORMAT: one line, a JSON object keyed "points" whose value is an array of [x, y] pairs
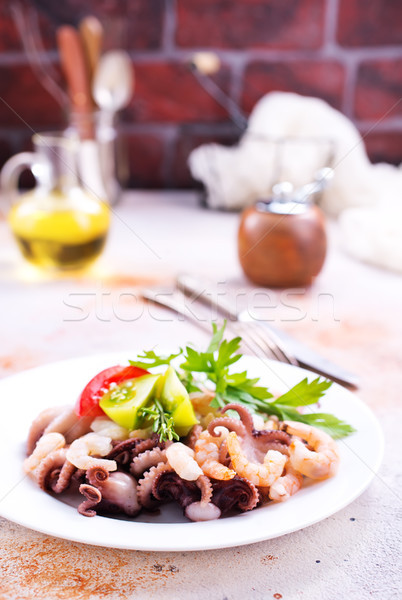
{"points": [[117, 492]]}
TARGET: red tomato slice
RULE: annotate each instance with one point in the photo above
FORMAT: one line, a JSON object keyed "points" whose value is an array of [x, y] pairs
{"points": [[88, 402]]}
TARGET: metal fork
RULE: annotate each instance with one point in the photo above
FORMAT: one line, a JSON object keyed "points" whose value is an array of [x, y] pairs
{"points": [[261, 342], [255, 338]]}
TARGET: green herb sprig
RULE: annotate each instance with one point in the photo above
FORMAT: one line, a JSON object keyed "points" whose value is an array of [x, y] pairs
{"points": [[162, 421], [215, 365], [239, 388], [150, 359]]}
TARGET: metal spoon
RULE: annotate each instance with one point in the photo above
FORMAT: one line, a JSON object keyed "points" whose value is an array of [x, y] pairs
{"points": [[113, 82]]}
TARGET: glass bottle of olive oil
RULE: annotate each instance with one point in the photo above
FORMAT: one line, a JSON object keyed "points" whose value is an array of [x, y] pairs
{"points": [[59, 224], [58, 230]]}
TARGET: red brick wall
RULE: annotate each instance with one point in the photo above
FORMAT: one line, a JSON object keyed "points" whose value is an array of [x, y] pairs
{"points": [[348, 52]]}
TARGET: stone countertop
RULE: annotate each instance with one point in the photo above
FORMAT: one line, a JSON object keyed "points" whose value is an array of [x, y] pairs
{"points": [[352, 315]]}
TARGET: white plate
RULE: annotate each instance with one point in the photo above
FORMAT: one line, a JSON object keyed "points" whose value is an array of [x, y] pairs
{"points": [[24, 395]]}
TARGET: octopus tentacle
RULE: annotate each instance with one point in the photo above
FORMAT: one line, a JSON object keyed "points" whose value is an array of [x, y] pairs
{"points": [[145, 490], [204, 509], [169, 486], [278, 446], [79, 476], [272, 435], [244, 414], [262, 440], [193, 436], [237, 493], [272, 439], [229, 423], [55, 472], [93, 497], [205, 485], [97, 476], [148, 444], [122, 451], [40, 423], [146, 460], [60, 481], [224, 456]]}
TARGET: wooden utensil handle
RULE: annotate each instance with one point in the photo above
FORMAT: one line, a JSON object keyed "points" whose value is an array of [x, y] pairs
{"points": [[76, 72], [91, 32]]}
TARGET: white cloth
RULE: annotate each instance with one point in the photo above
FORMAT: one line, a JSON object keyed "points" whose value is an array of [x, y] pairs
{"points": [[235, 177]]}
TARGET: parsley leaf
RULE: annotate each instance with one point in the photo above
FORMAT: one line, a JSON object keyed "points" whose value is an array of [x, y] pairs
{"points": [[329, 423], [305, 393], [216, 338], [215, 362], [151, 359], [336, 428], [199, 362]]}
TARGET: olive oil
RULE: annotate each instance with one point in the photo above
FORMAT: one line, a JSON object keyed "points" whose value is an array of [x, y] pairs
{"points": [[60, 231]]}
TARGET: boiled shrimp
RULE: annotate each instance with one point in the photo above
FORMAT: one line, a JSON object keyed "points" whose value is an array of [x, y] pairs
{"points": [[84, 452], [181, 459], [319, 463], [260, 474], [45, 445], [207, 449], [286, 485]]}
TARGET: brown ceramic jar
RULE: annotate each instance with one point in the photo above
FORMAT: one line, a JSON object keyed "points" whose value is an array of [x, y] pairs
{"points": [[282, 244]]}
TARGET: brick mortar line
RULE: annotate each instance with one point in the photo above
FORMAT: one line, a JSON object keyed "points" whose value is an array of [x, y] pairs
{"points": [[170, 141], [20, 58], [164, 129], [330, 28], [349, 90], [237, 81], [169, 26], [241, 56], [390, 125], [223, 128], [327, 50], [168, 131]]}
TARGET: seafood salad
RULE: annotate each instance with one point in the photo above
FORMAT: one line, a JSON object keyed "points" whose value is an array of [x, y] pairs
{"points": [[197, 433]]}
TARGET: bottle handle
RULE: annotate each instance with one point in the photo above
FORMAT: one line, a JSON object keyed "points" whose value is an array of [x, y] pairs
{"points": [[12, 169]]}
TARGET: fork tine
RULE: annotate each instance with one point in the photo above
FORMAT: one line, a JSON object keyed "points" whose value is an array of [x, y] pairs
{"points": [[249, 346], [269, 338], [257, 346], [253, 337], [267, 342]]}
